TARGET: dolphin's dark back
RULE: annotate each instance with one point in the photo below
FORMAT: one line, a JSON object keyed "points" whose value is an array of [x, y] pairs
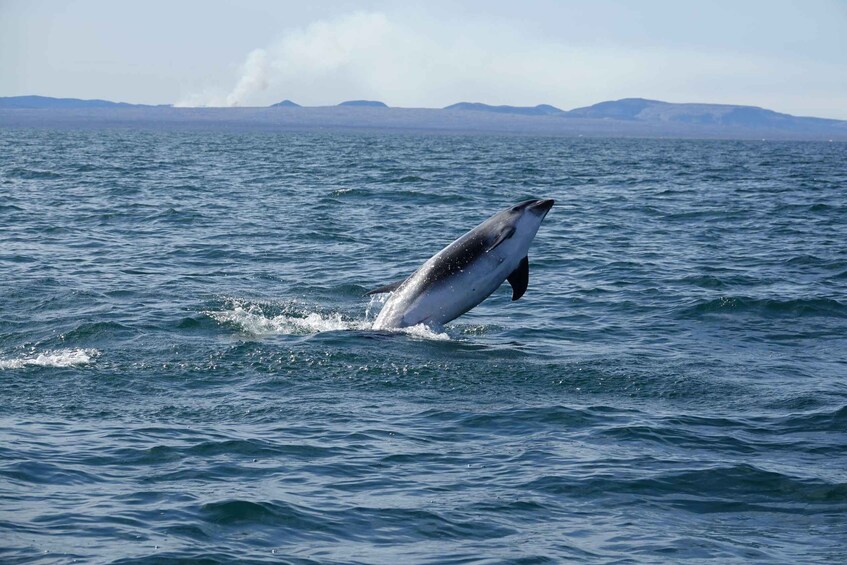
{"points": [[461, 253], [467, 271]]}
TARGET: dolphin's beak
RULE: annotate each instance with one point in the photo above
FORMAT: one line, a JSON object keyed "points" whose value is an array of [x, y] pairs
{"points": [[541, 207]]}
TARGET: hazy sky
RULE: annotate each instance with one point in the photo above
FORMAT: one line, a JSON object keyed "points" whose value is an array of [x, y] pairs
{"points": [[787, 56]]}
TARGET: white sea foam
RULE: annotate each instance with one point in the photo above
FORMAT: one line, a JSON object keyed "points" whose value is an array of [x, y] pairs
{"points": [[425, 332], [51, 358], [254, 319]]}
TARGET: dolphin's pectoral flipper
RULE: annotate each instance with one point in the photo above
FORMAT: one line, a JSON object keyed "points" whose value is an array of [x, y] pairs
{"points": [[504, 235], [387, 288], [519, 279]]}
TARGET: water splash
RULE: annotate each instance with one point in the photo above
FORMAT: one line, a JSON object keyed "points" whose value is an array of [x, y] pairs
{"points": [[425, 332], [51, 358], [375, 304], [255, 319], [262, 319]]}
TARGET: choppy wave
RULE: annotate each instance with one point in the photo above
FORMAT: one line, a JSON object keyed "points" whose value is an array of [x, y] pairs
{"points": [[772, 306], [670, 388], [51, 358]]}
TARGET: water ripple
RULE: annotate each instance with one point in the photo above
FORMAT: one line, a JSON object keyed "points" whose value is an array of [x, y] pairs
{"points": [[190, 375]]}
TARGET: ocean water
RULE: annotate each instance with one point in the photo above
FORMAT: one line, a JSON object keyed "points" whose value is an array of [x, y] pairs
{"points": [[187, 369]]}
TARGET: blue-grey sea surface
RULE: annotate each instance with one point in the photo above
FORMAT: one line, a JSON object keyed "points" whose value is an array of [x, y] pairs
{"points": [[187, 369]]}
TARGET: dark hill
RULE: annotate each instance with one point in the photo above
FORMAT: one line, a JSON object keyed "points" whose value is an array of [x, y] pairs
{"points": [[626, 109], [286, 104], [540, 110], [365, 103], [643, 110]]}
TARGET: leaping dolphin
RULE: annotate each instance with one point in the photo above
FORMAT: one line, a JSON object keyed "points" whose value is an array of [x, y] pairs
{"points": [[467, 271]]}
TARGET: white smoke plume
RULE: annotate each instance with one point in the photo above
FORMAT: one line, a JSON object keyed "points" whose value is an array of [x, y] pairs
{"points": [[254, 78], [408, 60], [303, 56]]}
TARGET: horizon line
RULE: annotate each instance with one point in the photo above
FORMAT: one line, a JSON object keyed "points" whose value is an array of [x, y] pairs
{"points": [[379, 103]]}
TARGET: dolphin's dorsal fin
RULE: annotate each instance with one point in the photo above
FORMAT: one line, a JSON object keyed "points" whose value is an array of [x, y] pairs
{"points": [[504, 235], [519, 279], [387, 288]]}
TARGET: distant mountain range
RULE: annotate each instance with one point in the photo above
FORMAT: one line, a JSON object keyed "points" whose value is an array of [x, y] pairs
{"points": [[360, 103], [703, 114], [627, 117], [643, 110], [540, 110], [49, 102]]}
